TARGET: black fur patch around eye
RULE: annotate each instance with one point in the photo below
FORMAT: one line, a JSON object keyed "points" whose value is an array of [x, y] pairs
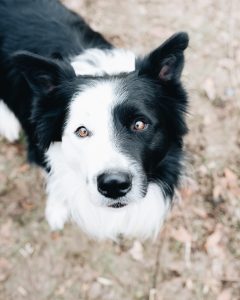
{"points": [[158, 149]]}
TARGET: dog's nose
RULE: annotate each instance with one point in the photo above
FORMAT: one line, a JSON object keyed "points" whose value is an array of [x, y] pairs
{"points": [[114, 185]]}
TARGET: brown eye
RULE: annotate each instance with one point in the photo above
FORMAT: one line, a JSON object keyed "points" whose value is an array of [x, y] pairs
{"points": [[139, 125], [82, 132]]}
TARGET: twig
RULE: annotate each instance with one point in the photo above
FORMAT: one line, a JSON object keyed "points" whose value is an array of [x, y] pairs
{"points": [[157, 264]]}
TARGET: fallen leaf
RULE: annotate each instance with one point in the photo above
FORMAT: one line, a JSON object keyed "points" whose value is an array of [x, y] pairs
{"points": [[24, 168], [200, 212], [175, 268], [231, 178], [181, 235], [64, 286], [210, 88], [225, 295], [22, 291], [186, 192], [218, 192], [213, 244], [136, 251], [104, 281], [5, 268], [189, 284], [27, 250], [55, 235], [6, 230], [152, 294]]}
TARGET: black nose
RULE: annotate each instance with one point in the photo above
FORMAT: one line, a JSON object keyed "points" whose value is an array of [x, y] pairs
{"points": [[114, 185]]}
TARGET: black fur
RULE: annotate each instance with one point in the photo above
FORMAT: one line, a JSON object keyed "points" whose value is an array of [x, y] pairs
{"points": [[37, 82], [161, 102], [46, 28]]}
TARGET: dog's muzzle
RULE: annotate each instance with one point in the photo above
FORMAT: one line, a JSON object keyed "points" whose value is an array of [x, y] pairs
{"points": [[114, 185]]}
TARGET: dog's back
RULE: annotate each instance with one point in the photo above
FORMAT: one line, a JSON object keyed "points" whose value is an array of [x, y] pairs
{"points": [[44, 27]]}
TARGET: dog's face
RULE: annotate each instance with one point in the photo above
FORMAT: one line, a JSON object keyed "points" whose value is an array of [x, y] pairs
{"points": [[102, 142], [120, 135]]}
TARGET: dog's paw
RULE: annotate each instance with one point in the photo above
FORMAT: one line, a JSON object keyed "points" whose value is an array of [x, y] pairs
{"points": [[57, 216], [9, 125]]}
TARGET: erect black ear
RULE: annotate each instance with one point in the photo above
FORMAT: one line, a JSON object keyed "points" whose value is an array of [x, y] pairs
{"points": [[166, 62], [42, 74]]}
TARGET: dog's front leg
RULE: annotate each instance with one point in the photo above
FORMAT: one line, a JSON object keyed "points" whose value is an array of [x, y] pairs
{"points": [[57, 213]]}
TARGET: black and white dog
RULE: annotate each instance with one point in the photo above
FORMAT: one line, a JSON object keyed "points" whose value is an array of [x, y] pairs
{"points": [[106, 126]]}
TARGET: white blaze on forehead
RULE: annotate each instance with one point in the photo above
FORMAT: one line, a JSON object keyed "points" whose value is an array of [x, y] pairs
{"points": [[92, 108], [100, 62]]}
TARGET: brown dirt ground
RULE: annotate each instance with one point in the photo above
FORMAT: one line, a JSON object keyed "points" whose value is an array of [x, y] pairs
{"points": [[197, 255]]}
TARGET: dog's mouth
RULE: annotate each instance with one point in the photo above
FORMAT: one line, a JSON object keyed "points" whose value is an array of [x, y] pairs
{"points": [[117, 205]]}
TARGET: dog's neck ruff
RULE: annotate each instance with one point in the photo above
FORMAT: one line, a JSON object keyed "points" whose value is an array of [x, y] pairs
{"points": [[99, 62]]}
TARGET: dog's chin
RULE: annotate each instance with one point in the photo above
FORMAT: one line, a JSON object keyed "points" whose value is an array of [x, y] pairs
{"points": [[124, 201], [108, 218], [99, 200], [117, 205]]}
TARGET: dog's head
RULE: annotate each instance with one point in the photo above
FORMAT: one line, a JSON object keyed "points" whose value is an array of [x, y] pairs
{"points": [[118, 133]]}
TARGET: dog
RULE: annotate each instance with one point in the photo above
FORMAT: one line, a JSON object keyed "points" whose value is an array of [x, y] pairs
{"points": [[107, 126]]}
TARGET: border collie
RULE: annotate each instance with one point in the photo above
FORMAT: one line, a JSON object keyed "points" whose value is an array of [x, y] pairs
{"points": [[105, 125]]}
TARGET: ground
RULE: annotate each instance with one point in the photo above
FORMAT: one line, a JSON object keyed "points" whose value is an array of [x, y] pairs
{"points": [[197, 255]]}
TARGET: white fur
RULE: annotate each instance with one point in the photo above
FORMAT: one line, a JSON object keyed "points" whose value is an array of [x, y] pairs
{"points": [[69, 199], [98, 153], [99, 62], [76, 162], [9, 125]]}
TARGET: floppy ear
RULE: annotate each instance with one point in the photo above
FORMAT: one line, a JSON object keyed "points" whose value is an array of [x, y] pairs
{"points": [[166, 62], [42, 74]]}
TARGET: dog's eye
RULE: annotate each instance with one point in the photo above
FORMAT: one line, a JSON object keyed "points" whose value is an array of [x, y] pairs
{"points": [[82, 132], [139, 125]]}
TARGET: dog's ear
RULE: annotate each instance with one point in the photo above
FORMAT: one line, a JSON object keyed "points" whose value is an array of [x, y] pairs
{"points": [[166, 62], [42, 74]]}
